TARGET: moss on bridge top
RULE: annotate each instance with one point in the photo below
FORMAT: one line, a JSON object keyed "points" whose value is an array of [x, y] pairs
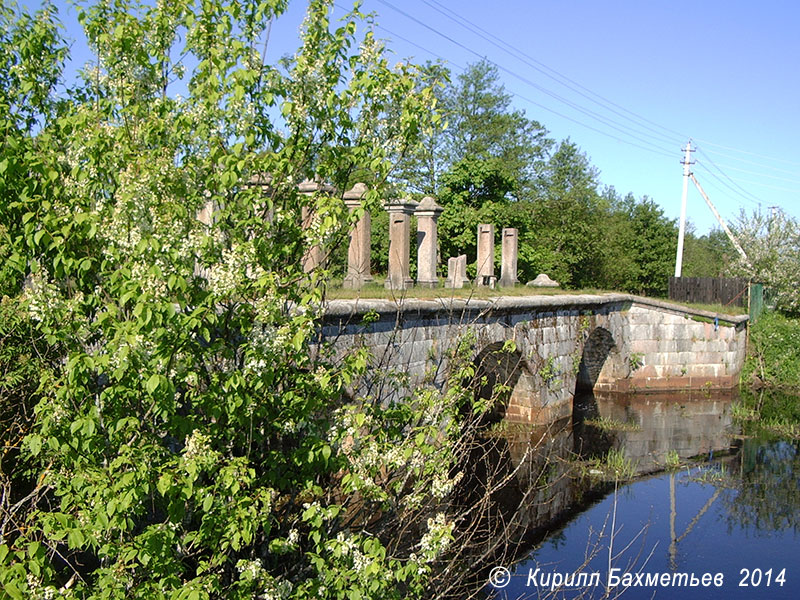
{"points": [[375, 298]]}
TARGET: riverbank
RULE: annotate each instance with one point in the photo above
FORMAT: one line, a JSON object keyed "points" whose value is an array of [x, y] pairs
{"points": [[770, 379]]}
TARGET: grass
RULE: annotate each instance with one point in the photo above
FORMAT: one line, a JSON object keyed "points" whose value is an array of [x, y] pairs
{"points": [[717, 308], [606, 424], [741, 412], [713, 474], [614, 466], [768, 411], [672, 461], [376, 291]]}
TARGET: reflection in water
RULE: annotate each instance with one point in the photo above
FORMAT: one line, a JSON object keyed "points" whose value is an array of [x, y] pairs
{"points": [[765, 490], [651, 426], [739, 511]]}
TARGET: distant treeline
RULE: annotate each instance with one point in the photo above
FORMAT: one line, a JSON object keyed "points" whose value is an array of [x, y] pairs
{"points": [[492, 164]]}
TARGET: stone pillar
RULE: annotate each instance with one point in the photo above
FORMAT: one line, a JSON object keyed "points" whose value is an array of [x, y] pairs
{"points": [[485, 264], [263, 182], [400, 213], [314, 256], [508, 270], [206, 214], [358, 254], [456, 272], [427, 214]]}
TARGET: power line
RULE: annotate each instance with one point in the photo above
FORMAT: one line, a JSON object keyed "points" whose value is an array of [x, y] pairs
{"points": [[736, 187], [630, 129], [728, 187], [760, 165], [650, 146], [553, 74], [772, 158], [775, 177]]}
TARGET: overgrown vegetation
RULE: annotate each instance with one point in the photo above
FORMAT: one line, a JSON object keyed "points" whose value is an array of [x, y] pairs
{"points": [[771, 377], [774, 352], [191, 438]]}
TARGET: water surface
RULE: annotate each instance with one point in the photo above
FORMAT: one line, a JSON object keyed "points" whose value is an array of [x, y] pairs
{"points": [[728, 519]]}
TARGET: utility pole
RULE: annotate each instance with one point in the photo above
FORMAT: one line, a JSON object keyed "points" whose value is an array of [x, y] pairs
{"points": [[773, 210], [687, 161]]}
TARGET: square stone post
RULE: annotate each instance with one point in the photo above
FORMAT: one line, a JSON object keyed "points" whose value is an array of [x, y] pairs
{"points": [[314, 256], [400, 212], [508, 269], [485, 264], [206, 216], [263, 182], [358, 254], [427, 214], [456, 272]]}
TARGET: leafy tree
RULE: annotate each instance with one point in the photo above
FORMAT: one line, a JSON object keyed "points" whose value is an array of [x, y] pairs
{"points": [[640, 247], [772, 245], [194, 439], [567, 216], [478, 124], [654, 244], [709, 255], [481, 124], [473, 192]]}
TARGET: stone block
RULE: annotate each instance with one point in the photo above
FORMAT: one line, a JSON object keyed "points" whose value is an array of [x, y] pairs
{"points": [[400, 212], [456, 272], [358, 253]]}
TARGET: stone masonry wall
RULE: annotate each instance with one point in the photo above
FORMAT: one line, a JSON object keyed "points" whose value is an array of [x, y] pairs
{"points": [[609, 342]]}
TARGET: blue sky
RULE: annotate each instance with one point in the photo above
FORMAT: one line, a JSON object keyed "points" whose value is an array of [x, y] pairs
{"points": [[629, 81]]}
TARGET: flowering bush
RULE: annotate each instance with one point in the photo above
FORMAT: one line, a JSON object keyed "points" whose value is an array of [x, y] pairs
{"points": [[191, 439], [772, 245]]}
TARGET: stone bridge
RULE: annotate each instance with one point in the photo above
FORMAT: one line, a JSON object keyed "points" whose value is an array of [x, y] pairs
{"points": [[561, 344]]}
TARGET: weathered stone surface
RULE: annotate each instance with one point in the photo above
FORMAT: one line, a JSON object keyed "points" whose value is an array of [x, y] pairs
{"points": [[358, 253], [542, 280], [427, 214], [552, 335], [510, 254], [400, 211], [456, 272], [485, 263], [315, 255]]}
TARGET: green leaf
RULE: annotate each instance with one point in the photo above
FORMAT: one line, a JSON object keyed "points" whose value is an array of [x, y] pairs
{"points": [[34, 443], [75, 538], [152, 383], [13, 591]]}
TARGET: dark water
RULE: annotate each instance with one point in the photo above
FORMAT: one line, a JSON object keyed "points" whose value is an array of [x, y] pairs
{"points": [[727, 522]]}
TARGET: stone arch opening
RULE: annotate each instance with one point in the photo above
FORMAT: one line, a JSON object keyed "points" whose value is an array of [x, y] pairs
{"points": [[596, 351], [599, 345], [502, 377], [500, 476]]}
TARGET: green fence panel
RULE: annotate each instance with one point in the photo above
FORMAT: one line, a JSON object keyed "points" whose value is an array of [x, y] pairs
{"points": [[756, 301]]}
